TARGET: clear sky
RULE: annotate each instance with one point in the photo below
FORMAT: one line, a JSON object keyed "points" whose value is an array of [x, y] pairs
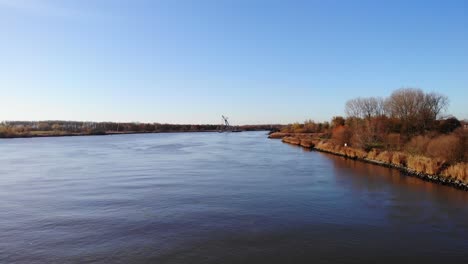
{"points": [[255, 61]]}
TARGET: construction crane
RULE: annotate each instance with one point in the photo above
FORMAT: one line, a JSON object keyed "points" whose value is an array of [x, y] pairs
{"points": [[226, 122], [226, 127]]}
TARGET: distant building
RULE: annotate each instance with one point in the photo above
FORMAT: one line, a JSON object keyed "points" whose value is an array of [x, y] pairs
{"points": [[464, 124]]}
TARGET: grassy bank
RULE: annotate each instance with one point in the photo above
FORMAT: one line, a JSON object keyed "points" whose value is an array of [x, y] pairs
{"points": [[432, 169]]}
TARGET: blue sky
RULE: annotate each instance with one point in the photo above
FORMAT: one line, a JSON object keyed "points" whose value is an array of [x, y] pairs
{"points": [[255, 61]]}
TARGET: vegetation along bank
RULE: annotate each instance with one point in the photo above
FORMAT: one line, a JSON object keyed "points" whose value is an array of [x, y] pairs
{"points": [[407, 131]]}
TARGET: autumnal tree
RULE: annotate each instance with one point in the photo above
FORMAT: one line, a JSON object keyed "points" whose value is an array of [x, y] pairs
{"points": [[337, 121], [341, 135]]}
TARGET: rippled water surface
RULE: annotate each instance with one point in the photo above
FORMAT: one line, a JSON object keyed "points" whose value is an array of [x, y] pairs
{"points": [[216, 198]]}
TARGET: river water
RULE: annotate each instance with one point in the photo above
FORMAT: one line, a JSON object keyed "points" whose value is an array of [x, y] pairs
{"points": [[216, 198]]}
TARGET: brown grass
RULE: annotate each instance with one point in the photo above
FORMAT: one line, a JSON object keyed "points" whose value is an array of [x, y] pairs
{"points": [[372, 155], [457, 171], [307, 143], [355, 153], [361, 153], [324, 145], [385, 157], [279, 135], [338, 149], [292, 140], [345, 151], [425, 165], [399, 159]]}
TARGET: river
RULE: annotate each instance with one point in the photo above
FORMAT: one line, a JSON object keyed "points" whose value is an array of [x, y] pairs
{"points": [[216, 198]]}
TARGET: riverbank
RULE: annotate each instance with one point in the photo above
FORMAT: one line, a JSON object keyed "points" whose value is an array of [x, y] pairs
{"points": [[428, 169]]}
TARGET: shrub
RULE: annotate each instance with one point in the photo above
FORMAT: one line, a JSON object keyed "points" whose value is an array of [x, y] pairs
{"points": [[392, 141], [462, 134], [341, 135], [447, 147], [417, 145]]}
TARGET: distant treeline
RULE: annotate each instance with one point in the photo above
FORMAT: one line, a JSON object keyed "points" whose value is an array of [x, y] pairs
{"points": [[58, 128]]}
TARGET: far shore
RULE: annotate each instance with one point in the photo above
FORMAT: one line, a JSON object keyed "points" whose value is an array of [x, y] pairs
{"points": [[60, 128], [109, 133]]}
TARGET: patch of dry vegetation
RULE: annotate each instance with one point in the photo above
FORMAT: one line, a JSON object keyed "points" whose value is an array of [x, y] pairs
{"points": [[385, 157], [417, 145], [457, 171], [447, 147], [424, 165], [399, 159], [372, 155], [292, 140], [308, 142], [355, 153], [279, 135]]}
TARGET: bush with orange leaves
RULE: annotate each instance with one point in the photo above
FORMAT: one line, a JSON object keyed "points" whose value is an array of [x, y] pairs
{"points": [[341, 135]]}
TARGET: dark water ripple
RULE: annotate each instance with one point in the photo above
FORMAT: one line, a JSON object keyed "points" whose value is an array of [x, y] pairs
{"points": [[216, 198]]}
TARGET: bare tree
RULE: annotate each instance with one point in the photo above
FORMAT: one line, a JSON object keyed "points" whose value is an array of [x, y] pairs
{"points": [[405, 103], [381, 109], [436, 104], [365, 107], [415, 109], [353, 108]]}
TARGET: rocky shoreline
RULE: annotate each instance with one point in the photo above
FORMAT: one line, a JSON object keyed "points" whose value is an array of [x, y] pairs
{"points": [[438, 171]]}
